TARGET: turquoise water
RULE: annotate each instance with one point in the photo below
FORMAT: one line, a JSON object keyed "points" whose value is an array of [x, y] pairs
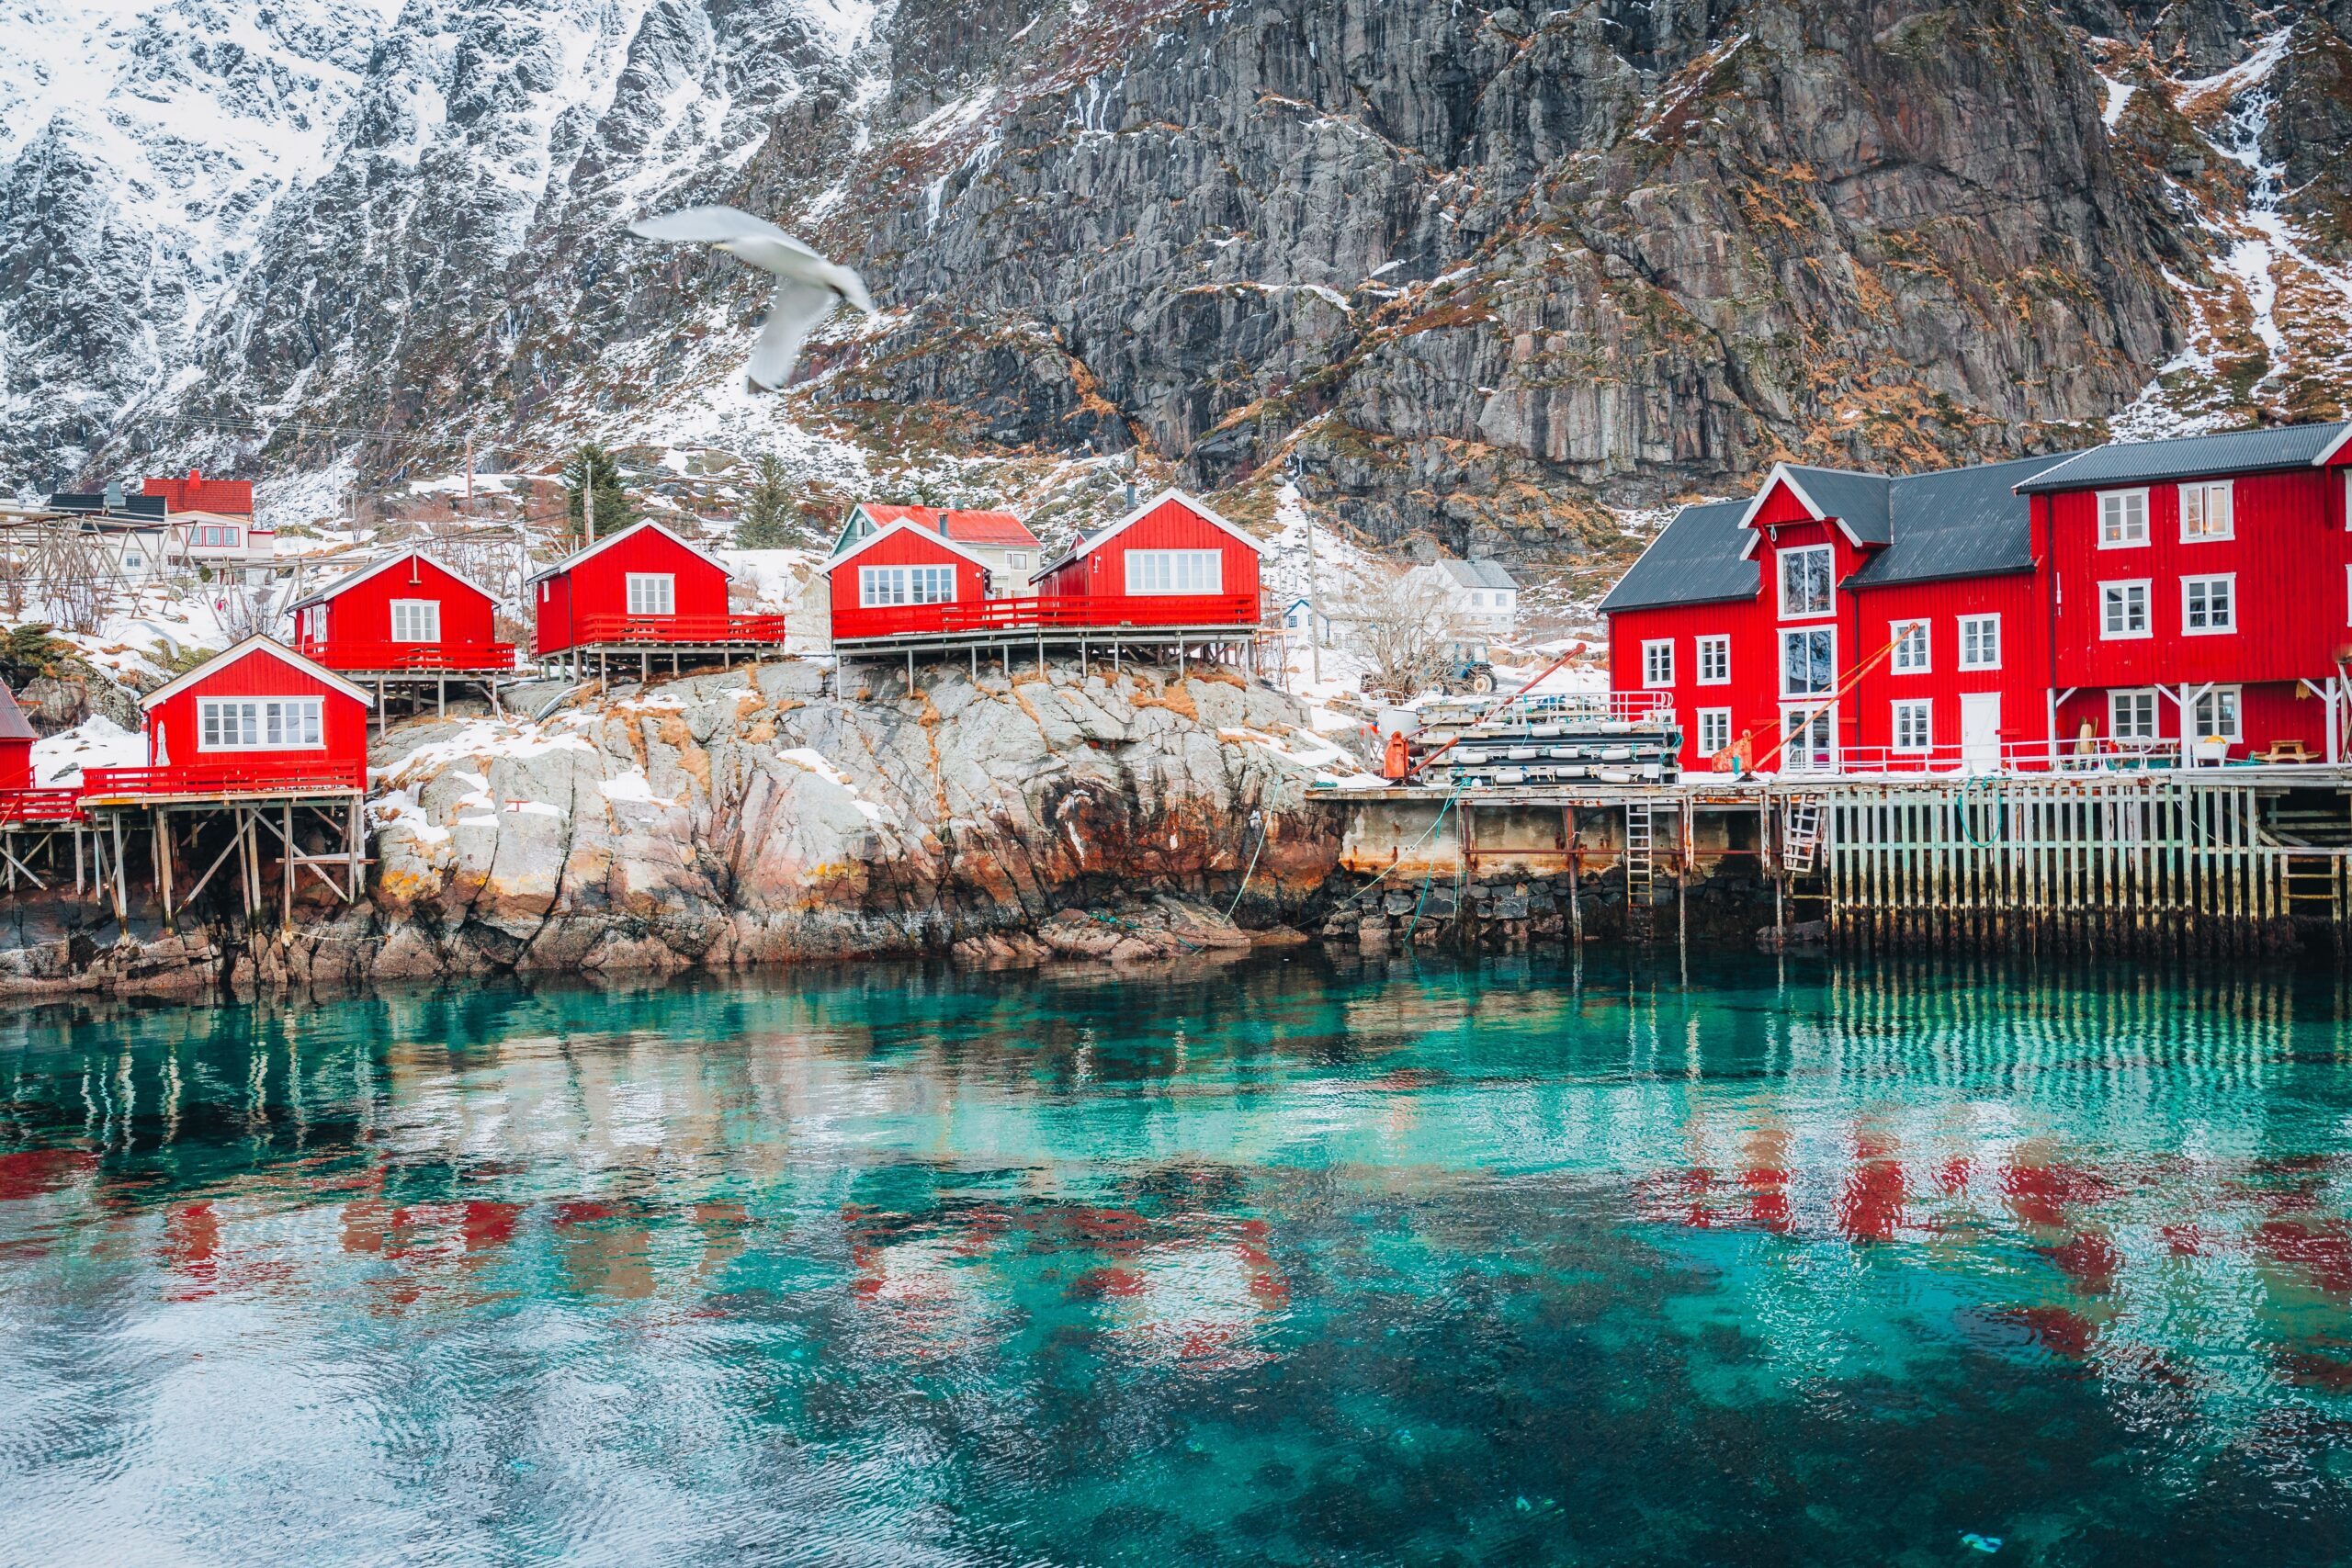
{"points": [[1278, 1263]]}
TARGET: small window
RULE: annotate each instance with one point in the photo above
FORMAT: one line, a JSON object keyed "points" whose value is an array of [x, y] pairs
{"points": [[1017, 559], [258, 724], [2205, 511], [2131, 716], [883, 585], [1910, 647], [1980, 642], [2214, 716], [416, 620], [653, 594], [1175, 571], [1715, 730], [1715, 662], [2208, 606], [1805, 581], [2122, 519], [1914, 727], [2123, 610], [1658, 663], [1808, 661]]}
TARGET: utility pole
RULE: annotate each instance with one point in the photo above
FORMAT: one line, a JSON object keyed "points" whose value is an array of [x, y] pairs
{"points": [[469, 471], [1314, 582], [588, 498]]}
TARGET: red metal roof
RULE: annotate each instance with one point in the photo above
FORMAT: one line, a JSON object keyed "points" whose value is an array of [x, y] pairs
{"points": [[197, 493], [965, 526]]}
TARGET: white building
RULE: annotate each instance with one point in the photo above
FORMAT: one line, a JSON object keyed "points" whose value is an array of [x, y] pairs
{"points": [[1483, 598]]}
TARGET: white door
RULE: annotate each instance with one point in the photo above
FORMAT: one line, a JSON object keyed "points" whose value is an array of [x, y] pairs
{"points": [[1811, 745], [1980, 731]]}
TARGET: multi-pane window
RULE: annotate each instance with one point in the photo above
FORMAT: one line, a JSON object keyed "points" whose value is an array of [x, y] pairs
{"points": [[2214, 715], [1808, 745], [2123, 609], [1910, 647], [1715, 662], [2122, 518], [2131, 716], [1913, 728], [1980, 642], [216, 534], [2205, 511], [905, 584], [258, 724], [416, 620], [1715, 730], [1808, 661], [653, 594], [1805, 581], [1017, 559], [1658, 663], [2208, 604], [1175, 571]]}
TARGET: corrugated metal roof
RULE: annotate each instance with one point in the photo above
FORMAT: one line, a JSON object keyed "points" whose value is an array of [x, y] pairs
{"points": [[2190, 457], [1958, 524], [13, 726], [1859, 501], [1694, 561], [1477, 573]]}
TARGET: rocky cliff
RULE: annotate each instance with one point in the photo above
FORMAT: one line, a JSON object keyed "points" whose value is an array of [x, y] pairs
{"points": [[757, 816], [1488, 271]]}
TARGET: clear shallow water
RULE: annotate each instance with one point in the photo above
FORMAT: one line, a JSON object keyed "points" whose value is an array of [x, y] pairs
{"points": [[1278, 1263]]}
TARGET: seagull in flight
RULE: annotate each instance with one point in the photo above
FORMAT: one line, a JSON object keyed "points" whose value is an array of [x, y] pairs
{"points": [[806, 285]]}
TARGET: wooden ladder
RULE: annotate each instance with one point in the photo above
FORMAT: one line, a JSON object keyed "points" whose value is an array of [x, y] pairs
{"points": [[1801, 834]]}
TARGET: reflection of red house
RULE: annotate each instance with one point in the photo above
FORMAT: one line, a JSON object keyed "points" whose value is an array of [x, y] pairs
{"points": [[259, 717], [408, 612], [643, 587]]}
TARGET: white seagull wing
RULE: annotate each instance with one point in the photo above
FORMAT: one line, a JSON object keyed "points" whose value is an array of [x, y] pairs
{"points": [[709, 225], [793, 314]]}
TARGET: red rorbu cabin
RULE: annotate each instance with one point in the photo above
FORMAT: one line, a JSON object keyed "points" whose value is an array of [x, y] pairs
{"points": [[260, 718], [906, 580], [15, 746], [407, 615], [641, 588], [1170, 562]]}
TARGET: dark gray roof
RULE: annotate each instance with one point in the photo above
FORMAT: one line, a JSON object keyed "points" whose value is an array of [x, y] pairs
{"points": [[1694, 561], [1477, 573], [13, 726], [1859, 501], [2190, 457], [1961, 522]]}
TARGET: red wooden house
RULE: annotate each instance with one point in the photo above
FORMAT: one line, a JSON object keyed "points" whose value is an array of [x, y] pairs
{"points": [[905, 579], [407, 615], [641, 588], [1001, 541], [1170, 561], [260, 718], [15, 746]]}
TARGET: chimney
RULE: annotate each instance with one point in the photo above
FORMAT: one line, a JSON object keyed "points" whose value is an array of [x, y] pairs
{"points": [[193, 476], [114, 495]]}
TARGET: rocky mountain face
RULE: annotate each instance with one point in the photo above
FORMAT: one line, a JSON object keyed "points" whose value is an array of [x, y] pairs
{"points": [[1492, 273]]}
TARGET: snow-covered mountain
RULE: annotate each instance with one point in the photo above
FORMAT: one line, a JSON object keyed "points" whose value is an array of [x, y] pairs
{"points": [[1485, 272]]}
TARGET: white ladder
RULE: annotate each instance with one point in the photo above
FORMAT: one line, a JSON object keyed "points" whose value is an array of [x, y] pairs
{"points": [[1641, 857], [1801, 834]]}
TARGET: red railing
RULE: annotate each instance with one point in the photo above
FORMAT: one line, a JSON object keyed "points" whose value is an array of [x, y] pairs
{"points": [[472, 658], [1055, 612], [224, 778], [39, 805], [663, 630]]}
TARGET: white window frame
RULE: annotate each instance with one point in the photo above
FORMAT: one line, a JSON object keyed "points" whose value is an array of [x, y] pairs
{"points": [[889, 587], [1829, 577], [2142, 699], [1924, 710], [1902, 631], [2204, 492], [1714, 660], [1713, 724], [2123, 541], [2147, 611], [216, 717], [1157, 573], [1658, 663], [1017, 559], [427, 610], [2229, 585], [1983, 624], [658, 588], [1782, 676], [2235, 697], [1797, 759]]}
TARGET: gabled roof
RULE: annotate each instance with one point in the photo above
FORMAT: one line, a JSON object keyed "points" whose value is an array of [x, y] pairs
{"points": [[268, 647], [2195, 457], [1086, 544], [355, 579], [13, 726], [1858, 500], [606, 543], [1476, 573], [1959, 522], [964, 525], [1699, 558], [859, 547]]}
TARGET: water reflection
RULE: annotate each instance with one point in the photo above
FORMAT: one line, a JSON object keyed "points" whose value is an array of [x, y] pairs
{"points": [[1381, 1263]]}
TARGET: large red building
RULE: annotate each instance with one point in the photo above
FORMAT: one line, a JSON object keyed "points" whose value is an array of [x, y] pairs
{"points": [[2131, 602], [406, 614]]}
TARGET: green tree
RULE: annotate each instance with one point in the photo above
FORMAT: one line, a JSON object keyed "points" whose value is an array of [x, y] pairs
{"points": [[768, 516], [592, 468]]}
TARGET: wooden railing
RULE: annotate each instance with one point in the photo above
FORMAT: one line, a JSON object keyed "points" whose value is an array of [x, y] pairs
{"points": [[1048, 612], [39, 805], [472, 658], [663, 630], [225, 778]]}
